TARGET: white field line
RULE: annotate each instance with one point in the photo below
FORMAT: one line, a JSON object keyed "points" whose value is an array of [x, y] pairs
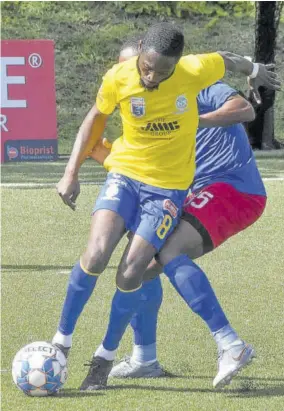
{"points": [[34, 185], [273, 178], [95, 183]]}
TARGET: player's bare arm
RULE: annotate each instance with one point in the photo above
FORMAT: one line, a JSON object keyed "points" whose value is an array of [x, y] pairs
{"points": [[260, 74], [235, 110], [90, 131]]}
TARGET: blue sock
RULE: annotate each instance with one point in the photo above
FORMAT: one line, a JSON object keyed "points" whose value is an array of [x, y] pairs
{"points": [[144, 322], [194, 287], [124, 305], [80, 288]]}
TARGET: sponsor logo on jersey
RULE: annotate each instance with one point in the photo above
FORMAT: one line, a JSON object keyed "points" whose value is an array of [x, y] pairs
{"points": [[170, 207], [161, 127], [137, 105]]}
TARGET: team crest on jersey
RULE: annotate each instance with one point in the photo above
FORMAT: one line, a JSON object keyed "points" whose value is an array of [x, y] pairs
{"points": [[137, 106], [182, 103]]}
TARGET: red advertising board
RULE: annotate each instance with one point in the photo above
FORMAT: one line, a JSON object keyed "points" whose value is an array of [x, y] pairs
{"points": [[28, 103]]}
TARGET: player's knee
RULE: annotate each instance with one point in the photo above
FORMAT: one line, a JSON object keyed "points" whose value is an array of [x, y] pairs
{"points": [[95, 260], [131, 271], [129, 279]]}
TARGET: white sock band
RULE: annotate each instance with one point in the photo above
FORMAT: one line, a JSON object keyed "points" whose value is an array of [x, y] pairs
{"points": [[144, 354], [106, 354], [65, 340]]}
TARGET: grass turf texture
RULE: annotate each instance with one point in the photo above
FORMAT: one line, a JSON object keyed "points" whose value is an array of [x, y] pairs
{"points": [[88, 36], [42, 239]]}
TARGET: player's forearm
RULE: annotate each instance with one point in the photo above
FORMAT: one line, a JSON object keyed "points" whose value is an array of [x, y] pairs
{"points": [[234, 111], [237, 64], [90, 131]]}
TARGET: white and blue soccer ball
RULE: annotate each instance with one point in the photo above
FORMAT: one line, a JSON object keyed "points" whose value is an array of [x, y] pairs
{"points": [[39, 369]]}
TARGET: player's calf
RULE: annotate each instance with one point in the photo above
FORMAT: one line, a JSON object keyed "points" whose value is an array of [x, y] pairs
{"points": [[80, 287], [84, 274]]}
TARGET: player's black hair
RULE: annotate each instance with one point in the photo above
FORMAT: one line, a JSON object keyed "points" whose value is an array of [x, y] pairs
{"points": [[165, 39], [132, 42]]}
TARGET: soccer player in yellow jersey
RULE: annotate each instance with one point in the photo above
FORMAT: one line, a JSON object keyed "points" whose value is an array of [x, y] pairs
{"points": [[150, 168]]}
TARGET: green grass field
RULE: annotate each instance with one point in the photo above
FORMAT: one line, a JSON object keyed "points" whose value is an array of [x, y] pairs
{"points": [[42, 239]]}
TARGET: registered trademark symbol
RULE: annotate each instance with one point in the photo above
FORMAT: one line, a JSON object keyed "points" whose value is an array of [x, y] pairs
{"points": [[35, 60]]}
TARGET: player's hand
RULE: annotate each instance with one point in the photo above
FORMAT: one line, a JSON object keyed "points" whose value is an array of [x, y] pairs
{"points": [[266, 78], [68, 189]]}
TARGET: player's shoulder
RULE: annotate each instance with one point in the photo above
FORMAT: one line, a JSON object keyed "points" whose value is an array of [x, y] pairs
{"points": [[122, 71], [195, 60], [190, 63]]}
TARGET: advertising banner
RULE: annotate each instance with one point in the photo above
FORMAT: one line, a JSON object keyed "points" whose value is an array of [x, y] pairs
{"points": [[28, 102]]}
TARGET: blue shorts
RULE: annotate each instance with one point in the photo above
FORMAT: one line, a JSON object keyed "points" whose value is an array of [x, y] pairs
{"points": [[148, 211]]}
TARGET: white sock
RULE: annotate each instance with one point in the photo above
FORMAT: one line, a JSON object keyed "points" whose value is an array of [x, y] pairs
{"points": [[106, 354], [225, 337], [144, 354], [65, 340]]}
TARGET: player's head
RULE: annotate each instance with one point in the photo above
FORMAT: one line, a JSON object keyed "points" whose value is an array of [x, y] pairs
{"points": [[130, 48], [159, 52]]}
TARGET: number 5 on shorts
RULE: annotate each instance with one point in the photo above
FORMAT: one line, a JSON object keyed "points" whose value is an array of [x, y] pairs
{"points": [[205, 196], [164, 227]]}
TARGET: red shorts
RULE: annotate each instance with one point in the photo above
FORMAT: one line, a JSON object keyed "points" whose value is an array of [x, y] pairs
{"points": [[219, 211]]}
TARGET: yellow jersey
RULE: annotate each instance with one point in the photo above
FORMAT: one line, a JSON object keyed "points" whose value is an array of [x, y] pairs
{"points": [[157, 146]]}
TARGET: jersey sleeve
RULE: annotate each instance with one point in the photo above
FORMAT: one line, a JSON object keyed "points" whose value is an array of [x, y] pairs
{"points": [[106, 100], [215, 96], [210, 68]]}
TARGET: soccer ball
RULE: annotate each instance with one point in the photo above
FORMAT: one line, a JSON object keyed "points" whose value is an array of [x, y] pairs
{"points": [[39, 369]]}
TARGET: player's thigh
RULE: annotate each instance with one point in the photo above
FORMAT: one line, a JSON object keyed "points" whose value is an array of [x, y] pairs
{"points": [[107, 228], [154, 268], [136, 258], [184, 240], [114, 211]]}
